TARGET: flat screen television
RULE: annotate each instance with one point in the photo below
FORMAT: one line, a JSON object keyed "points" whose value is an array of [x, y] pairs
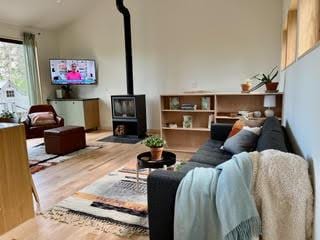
{"points": [[73, 72]]}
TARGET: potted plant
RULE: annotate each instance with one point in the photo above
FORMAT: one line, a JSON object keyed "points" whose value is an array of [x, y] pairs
{"points": [[156, 144], [7, 116], [267, 79]]}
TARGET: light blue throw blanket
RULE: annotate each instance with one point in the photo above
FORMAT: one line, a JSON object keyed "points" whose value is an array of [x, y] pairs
{"points": [[216, 204]]}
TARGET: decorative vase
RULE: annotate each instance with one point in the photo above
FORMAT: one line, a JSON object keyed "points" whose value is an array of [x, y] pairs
{"points": [[257, 114], [59, 93], [269, 113], [156, 153], [272, 87], [246, 87]]}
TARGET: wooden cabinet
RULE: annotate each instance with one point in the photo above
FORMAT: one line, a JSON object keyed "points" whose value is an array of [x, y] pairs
{"points": [[222, 108], [78, 112], [16, 204]]}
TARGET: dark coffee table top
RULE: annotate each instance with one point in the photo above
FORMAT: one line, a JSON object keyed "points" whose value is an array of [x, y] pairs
{"points": [[145, 161], [64, 130]]}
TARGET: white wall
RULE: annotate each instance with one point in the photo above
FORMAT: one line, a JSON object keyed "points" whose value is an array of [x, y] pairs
{"points": [[178, 45], [47, 48], [302, 114], [302, 98]]}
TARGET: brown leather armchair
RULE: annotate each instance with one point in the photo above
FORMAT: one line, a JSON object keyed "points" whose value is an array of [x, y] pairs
{"points": [[37, 131]]}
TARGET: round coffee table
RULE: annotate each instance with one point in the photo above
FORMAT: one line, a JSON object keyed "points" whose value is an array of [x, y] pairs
{"points": [[144, 161]]}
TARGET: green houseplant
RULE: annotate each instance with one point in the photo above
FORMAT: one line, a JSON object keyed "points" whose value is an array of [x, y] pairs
{"points": [[267, 79], [156, 144], [7, 116]]}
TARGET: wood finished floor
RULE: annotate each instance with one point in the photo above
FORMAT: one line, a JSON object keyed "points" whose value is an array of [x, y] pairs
{"points": [[58, 182]]}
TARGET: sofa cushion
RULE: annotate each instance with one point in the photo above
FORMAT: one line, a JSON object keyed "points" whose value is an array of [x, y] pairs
{"points": [[243, 122], [191, 165], [272, 136], [244, 141], [211, 154]]}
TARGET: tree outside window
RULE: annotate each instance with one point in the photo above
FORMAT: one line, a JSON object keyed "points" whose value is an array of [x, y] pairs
{"points": [[13, 80]]}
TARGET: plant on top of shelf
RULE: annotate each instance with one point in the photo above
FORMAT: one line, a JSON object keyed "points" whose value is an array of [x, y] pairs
{"points": [[156, 144], [267, 79], [7, 116]]}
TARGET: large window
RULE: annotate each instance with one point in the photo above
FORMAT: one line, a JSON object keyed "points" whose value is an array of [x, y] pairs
{"points": [[13, 81]]}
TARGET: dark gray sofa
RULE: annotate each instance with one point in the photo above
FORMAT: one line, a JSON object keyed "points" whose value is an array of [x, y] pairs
{"points": [[162, 185]]}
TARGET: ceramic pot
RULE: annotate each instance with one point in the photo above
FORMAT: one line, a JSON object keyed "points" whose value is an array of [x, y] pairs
{"points": [[245, 87], [269, 113], [156, 153], [272, 86], [257, 114]]}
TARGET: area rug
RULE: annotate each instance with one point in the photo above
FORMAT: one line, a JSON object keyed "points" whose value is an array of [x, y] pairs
{"points": [[40, 160], [114, 204], [124, 140]]}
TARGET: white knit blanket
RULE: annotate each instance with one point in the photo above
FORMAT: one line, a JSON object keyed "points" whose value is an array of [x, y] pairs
{"points": [[283, 195]]}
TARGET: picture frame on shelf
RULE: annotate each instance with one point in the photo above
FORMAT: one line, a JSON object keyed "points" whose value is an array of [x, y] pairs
{"points": [[205, 103], [187, 121], [174, 103]]}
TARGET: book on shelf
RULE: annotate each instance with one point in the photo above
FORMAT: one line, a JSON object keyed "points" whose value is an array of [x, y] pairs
{"points": [[188, 106]]}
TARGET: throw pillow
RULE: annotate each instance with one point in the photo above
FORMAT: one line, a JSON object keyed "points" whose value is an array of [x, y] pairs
{"points": [[244, 141], [237, 126], [42, 118]]}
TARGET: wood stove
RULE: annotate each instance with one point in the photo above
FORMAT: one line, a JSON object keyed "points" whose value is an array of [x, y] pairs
{"points": [[129, 115], [128, 111]]}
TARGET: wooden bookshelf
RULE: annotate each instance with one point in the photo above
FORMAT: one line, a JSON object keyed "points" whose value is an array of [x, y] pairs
{"points": [[223, 108]]}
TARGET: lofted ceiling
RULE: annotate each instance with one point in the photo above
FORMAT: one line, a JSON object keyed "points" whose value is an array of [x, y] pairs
{"points": [[43, 14]]}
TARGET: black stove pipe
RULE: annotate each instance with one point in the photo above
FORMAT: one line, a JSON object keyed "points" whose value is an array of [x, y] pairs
{"points": [[128, 44]]}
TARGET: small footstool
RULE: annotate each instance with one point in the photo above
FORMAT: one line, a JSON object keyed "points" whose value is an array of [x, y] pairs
{"points": [[64, 140]]}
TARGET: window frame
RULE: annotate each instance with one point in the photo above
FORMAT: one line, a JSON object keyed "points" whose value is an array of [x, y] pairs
{"points": [[8, 40]]}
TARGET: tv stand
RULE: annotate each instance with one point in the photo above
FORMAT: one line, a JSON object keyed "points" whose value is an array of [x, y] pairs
{"points": [[78, 112]]}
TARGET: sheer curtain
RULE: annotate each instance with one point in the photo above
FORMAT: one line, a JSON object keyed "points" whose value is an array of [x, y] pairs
{"points": [[34, 88]]}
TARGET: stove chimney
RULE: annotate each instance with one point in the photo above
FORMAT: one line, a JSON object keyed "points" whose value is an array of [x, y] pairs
{"points": [[128, 45]]}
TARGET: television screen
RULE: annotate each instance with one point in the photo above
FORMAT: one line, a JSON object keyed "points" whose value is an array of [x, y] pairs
{"points": [[73, 72]]}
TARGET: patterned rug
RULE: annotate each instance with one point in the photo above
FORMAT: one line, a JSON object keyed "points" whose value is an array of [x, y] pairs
{"points": [[40, 160], [114, 204]]}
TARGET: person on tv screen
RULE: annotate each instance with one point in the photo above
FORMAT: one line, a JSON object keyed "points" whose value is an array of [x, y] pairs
{"points": [[73, 74]]}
